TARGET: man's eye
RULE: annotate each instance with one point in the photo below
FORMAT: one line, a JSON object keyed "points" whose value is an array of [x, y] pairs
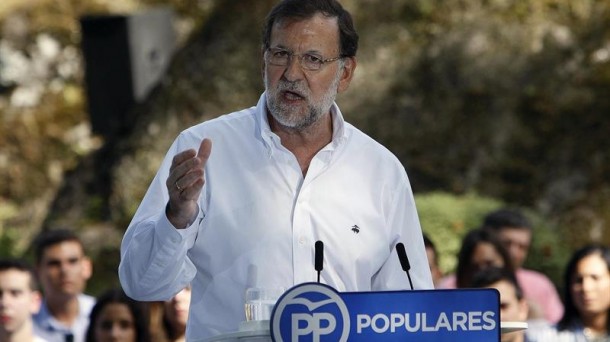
{"points": [[281, 54], [312, 59]]}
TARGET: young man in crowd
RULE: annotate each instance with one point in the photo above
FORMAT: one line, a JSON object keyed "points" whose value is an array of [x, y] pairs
{"points": [[19, 300], [515, 232], [513, 307], [63, 270]]}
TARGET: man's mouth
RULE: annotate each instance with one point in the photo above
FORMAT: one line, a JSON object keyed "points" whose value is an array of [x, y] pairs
{"points": [[293, 96]]}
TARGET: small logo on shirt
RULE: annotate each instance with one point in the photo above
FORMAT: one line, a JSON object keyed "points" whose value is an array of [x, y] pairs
{"points": [[355, 229]]}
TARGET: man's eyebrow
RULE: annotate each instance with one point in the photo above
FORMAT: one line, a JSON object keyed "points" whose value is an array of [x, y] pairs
{"points": [[280, 46]]}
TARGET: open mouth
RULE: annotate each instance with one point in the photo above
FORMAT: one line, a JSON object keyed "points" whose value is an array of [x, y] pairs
{"points": [[293, 96]]}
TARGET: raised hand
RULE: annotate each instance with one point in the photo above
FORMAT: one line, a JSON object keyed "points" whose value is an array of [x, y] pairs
{"points": [[185, 182]]}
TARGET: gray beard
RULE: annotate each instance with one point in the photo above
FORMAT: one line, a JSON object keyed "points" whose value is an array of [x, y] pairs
{"points": [[286, 116]]}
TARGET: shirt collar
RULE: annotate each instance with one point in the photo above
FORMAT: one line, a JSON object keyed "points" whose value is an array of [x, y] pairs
{"points": [[48, 322], [339, 132]]}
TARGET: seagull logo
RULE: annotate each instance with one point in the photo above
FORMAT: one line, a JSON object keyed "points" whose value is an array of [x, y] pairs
{"points": [[310, 312], [355, 229], [311, 306]]}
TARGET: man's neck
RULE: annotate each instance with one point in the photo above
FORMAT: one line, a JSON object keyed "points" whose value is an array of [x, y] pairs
{"points": [[517, 336], [24, 334], [64, 311], [304, 143]]}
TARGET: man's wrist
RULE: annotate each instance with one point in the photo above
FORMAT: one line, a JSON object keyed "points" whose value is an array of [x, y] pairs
{"points": [[177, 221]]}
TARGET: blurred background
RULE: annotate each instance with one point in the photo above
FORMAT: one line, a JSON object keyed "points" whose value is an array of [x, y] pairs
{"points": [[487, 103]]}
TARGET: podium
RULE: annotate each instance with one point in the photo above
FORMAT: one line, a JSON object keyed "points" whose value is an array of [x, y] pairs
{"points": [[263, 334], [317, 312]]}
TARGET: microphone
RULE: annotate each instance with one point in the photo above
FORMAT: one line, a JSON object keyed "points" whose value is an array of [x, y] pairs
{"points": [[319, 259], [404, 261]]}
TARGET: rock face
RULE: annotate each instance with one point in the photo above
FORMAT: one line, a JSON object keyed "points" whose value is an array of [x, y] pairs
{"points": [[507, 100]]}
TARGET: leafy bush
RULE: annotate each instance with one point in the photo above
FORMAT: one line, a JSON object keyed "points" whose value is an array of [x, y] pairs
{"points": [[446, 218]]}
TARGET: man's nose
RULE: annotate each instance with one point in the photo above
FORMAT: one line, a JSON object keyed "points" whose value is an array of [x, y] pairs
{"points": [[294, 71]]}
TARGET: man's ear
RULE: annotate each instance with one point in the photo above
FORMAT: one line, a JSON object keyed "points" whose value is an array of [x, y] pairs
{"points": [[349, 66], [523, 310], [35, 302], [87, 268]]}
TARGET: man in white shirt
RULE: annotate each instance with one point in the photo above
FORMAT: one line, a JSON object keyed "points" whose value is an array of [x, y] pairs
{"points": [[63, 269], [280, 176]]}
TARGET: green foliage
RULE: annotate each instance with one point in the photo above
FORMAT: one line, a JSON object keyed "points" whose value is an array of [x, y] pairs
{"points": [[105, 264], [548, 253], [446, 218], [7, 243], [8, 236]]}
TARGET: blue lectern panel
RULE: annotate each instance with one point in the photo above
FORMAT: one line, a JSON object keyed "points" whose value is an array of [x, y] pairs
{"points": [[317, 313]]}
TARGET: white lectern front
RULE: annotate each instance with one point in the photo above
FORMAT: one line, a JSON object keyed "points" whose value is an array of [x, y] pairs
{"points": [[263, 335], [253, 331]]}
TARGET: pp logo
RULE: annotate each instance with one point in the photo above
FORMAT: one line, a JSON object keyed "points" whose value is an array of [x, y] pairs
{"points": [[310, 312]]}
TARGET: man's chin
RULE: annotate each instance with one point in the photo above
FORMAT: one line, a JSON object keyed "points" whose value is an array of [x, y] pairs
{"points": [[292, 120]]}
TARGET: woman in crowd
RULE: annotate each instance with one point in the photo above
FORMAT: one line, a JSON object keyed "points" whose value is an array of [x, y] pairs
{"points": [[118, 318], [168, 319], [586, 299], [480, 249]]}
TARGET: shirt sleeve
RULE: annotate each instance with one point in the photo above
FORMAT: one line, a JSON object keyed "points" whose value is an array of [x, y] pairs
{"points": [[404, 226], [154, 261]]}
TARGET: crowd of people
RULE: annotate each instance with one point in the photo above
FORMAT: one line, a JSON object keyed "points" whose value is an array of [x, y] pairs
{"points": [[493, 255], [485, 260], [46, 301]]}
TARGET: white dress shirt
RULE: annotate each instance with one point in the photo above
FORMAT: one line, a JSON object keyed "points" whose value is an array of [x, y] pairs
{"points": [[50, 329], [260, 218]]}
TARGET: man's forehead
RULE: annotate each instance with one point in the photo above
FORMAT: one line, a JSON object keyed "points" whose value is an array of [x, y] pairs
{"points": [[314, 21], [65, 249], [15, 274], [504, 287]]}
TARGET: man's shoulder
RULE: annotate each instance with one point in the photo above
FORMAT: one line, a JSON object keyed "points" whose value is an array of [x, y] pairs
{"points": [[243, 115], [369, 147], [42, 314], [86, 302]]}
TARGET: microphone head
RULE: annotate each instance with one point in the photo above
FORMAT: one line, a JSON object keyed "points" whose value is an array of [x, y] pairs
{"points": [[319, 251], [402, 256]]}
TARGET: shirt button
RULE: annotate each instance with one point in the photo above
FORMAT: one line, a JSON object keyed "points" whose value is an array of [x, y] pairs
{"points": [[302, 240]]}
